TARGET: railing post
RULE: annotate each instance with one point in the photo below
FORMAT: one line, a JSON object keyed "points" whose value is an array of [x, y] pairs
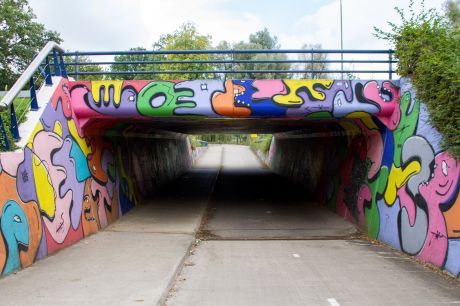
{"points": [[14, 123], [33, 95], [63, 71], [76, 65], [48, 79], [390, 57], [5, 136], [57, 69]]}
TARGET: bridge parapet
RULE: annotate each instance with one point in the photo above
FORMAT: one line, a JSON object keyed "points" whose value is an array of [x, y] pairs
{"points": [[269, 99]]}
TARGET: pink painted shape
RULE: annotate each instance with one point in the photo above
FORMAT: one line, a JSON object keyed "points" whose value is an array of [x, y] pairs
{"points": [[10, 161], [98, 189], [364, 195], [266, 89], [438, 190]]}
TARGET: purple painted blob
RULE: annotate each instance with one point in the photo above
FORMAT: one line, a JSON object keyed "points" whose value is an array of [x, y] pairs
{"points": [[312, 106], [43, 247], [64, 159], [50, 116], [453, 255], [126, 107], [25, 182], [389, 223]]}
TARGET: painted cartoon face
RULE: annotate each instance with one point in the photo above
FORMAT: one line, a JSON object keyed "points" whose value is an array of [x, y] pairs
{"points": [[228, 103], [442, 184], [89, 215]]}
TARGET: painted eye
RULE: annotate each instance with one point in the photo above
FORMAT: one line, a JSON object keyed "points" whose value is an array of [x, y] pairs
{"points": [[17, 219], [444, 168]]}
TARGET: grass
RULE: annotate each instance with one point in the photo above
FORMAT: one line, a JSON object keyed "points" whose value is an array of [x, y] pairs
{"points": [[21, 107]]}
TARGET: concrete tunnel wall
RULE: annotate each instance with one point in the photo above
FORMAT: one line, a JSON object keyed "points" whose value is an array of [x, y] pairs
{"points": [[68, 183], [391, 178]]}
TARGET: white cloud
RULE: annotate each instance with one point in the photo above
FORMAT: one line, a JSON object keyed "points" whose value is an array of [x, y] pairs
{"points": [[122, 24]]}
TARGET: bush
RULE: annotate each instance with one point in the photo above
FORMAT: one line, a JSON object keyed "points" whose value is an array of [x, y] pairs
{"points": [[427, 46]]}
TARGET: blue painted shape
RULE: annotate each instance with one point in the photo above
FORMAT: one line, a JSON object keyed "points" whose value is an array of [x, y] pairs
{"points": [[389, 232], [259, 108], [81, 165], [388, 149], [15, 229], [453, 255]]}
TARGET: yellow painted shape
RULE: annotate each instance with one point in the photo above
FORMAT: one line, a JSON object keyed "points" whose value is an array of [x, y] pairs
{"points": [[80, 141], [58, 128], [45, 191], [96, 91], [30, 141], [293, 85], [399, 177], [253, 135]]}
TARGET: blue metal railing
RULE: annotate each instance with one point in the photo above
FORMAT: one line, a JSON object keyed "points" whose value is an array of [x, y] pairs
{"points": [[214, 61], [39, 71]]}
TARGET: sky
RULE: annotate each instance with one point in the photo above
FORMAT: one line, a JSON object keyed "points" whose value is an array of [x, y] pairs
{"points": [[99, 25]]}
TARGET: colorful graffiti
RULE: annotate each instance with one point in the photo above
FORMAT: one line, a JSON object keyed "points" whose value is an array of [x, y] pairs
{"points": [[63, 186], [392, 177], [235, 99]]}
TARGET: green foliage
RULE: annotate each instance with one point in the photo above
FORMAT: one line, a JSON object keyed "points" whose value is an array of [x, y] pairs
{"points": [[427, 47], [133, 67], [257, 41], [21, 107], [21, 37], [83, 68], [185, 38], [225, 138], [313, 66], [261, 143]]}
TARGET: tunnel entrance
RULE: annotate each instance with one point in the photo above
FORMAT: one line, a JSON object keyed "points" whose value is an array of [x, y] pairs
{"points": [[230, 194]]}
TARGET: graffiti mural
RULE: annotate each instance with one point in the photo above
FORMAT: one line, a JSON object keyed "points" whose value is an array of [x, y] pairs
{"points": [[391, 176], [235, 99], [62, 187]]}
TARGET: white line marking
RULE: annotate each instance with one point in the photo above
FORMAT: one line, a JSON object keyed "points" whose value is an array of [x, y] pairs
{"points": [[296, 255], [333, 302]]}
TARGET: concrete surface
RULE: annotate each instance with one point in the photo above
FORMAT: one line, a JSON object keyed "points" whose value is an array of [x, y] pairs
{"points": [[332, 272], [251, 202]]}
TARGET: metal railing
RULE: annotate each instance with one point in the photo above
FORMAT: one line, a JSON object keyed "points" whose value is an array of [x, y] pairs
{"points": [[228, 62], [40, 70]]}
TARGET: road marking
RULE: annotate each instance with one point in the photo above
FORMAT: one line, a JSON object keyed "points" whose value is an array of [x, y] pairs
{"points": [[333, 302], [296, 255]]}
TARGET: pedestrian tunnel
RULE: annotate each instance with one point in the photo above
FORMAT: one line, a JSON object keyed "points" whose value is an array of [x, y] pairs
{"points": [[363, 149]]}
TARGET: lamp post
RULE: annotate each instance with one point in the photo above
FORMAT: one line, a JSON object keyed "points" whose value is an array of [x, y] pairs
{"points": [[341, 38]]}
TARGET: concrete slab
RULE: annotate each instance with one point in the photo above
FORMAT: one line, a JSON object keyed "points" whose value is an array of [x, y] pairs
{"points": [[109, 268], [333, 272]]}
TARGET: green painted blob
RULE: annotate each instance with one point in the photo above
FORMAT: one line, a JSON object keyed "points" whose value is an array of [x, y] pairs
{"points": [[372, 214], [159, 99], [406, 127], [319, 115]]}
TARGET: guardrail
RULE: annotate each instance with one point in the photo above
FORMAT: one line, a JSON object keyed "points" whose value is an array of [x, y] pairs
{"points": [[221, 63], [41, 67]]}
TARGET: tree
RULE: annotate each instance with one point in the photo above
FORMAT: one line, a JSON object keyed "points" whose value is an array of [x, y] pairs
{"points": [[21, 37], [453, 12], [133, 67], [427, 47], [83, 68], [317, 57], [184, 38], [261, 40]]}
